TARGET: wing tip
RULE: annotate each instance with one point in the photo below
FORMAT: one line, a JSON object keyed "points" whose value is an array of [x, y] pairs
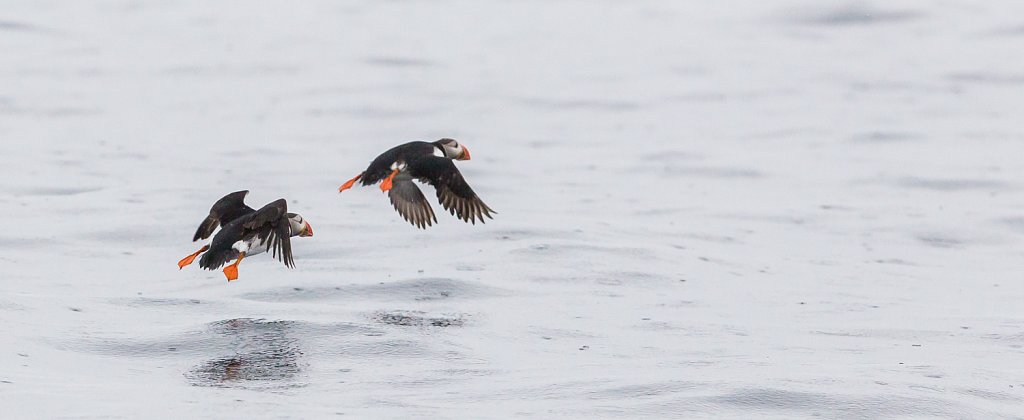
{"points": [[206, 227]]}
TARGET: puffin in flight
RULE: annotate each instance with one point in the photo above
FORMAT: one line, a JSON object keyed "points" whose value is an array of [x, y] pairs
{"points": [[246, 232], [430, 163]]}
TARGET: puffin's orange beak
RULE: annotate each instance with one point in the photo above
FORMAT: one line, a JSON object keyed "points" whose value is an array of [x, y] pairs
{"points": [[308, 231], [465, 153]]}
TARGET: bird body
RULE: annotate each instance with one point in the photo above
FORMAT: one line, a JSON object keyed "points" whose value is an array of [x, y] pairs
{"points": [[251, 232], [430, 163], [381, 166]]}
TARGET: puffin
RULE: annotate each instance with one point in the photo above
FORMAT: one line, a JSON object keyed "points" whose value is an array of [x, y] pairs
{"points": [[246, 232], [430, 163]]}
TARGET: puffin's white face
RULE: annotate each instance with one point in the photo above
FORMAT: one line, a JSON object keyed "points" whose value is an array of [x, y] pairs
{"points": [[299, 225], [454, 150]]}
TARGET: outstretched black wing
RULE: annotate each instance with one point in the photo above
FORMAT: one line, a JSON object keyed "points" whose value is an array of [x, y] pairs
{"points": [[228, 208], [452, 190], [271, 226], [410, 202]]}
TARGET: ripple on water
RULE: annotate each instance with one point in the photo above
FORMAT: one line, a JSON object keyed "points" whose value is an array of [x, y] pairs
{"points": [[398, 62], [941, 241], [991, 395], [1011, 30], [15, 26], [950, 184], [385, 347], [1015, 224], [836, 405], [416, 289], [580, 249], [644, 390], [241, 352], [418, 319], [712, 172], [988, 78], [881, 137], [848, 14], [58, 191], [577, 104]]}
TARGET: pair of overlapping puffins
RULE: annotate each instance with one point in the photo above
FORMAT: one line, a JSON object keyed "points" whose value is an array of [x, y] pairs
{"points": [[246, 231]]}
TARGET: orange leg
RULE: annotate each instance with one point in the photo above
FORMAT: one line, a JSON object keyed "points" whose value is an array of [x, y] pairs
{"points": [[231, 271], [348, 184], [386, 185], [188, 260]]}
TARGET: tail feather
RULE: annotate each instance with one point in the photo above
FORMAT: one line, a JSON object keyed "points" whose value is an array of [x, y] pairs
{"points": [[214, 260]]}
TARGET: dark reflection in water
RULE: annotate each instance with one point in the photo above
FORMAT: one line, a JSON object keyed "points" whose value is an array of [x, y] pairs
{"points": [[418, 319], [242, 352], [262, 351], [247, 367]]}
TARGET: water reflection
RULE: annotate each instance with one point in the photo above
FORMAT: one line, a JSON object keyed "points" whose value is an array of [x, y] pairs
{"points": [[261, 351]]}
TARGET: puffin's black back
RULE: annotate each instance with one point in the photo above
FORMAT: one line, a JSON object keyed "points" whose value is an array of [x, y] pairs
{"points": [[221, 250], [381, 166]]}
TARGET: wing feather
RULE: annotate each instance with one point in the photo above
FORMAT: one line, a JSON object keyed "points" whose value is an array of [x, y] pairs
{"points": [[280, 244], [268, 215], [224, 211], [453, 192], [410, 203], [272, 228]]}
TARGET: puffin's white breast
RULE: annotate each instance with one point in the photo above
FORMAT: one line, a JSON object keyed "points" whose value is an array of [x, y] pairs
{"points": [[251, 247]]}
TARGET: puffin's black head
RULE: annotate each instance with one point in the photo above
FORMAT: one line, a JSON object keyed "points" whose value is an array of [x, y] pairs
{"points": [[452, 149], [299, 226]]}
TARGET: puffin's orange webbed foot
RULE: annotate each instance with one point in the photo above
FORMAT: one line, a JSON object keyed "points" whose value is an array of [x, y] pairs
{"points": [[188, 260], [387, 183], [348, 184], [231, 271]]}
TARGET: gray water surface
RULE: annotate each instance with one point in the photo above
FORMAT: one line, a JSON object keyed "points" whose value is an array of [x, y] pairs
{"points": [[706, 209]]}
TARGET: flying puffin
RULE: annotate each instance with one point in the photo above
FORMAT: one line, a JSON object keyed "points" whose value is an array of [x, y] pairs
{"points": [[246, 232], [430, 163]]}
